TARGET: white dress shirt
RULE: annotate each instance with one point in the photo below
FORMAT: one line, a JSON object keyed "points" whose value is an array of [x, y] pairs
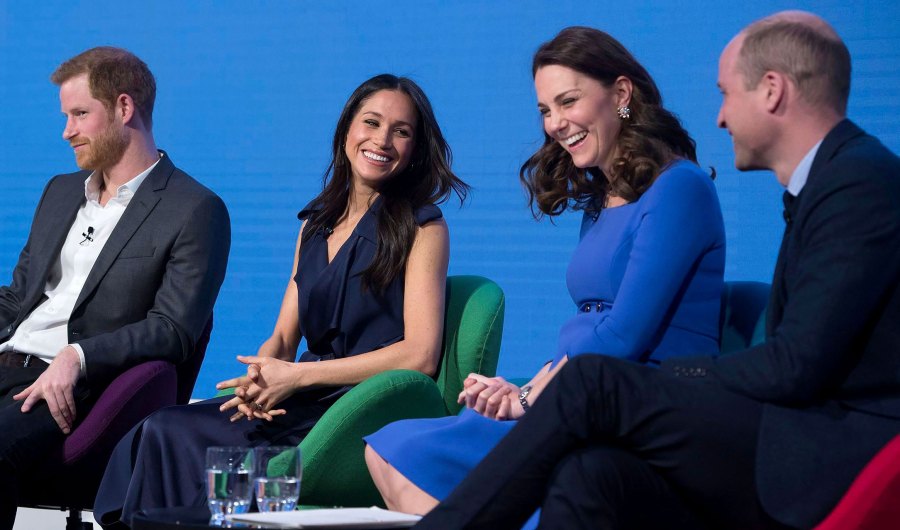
{"points": [[44, 332]]}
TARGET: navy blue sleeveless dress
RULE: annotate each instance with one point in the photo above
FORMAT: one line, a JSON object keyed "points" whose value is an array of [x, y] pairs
{"points": [[161, 462]]}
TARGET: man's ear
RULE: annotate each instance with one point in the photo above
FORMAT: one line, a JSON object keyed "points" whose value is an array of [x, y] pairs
{"points": [[775, 86], [124, 109]]}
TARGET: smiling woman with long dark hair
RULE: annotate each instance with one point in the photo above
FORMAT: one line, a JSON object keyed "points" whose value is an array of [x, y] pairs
{"points": [[646, 276], [366, 291]]}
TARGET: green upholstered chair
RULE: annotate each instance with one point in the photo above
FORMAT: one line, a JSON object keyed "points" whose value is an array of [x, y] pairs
{"points": [[334, 471], [742, 321]]}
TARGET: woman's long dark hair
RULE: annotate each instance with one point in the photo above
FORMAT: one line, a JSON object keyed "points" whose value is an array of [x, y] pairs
{"points": [[650, 139], [427, 179]]}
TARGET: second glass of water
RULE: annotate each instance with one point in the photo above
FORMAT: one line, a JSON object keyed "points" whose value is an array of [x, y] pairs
{"points": [[278, 474], [229, 479]]}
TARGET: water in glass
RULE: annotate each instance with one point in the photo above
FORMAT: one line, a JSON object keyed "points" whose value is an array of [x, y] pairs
{"points": [[227, 491], [278, 474], [277, 494], [229, 481]]}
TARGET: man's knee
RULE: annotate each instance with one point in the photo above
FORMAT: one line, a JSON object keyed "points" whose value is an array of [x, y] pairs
{"points": [[610, 488], [596, 471], [585, 490], [373, 461]]}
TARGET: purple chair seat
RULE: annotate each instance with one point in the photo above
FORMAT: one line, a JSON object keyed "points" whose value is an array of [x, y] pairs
{"points": [[129, 398]]}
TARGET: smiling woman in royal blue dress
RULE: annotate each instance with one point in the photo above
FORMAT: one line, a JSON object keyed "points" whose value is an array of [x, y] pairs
{"points": [[646, 276]]}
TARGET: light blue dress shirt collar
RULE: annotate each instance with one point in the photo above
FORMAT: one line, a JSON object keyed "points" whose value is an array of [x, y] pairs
{"points": [[801, 172]]}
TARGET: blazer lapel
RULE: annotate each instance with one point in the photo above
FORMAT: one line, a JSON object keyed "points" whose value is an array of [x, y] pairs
{"points": [[777, 294], [137, 211], [51, 237], [838, 136]]}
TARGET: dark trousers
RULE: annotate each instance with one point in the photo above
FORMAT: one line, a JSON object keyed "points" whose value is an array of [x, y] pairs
{"points": [[161, 462], [27, 439], [612, 444]]}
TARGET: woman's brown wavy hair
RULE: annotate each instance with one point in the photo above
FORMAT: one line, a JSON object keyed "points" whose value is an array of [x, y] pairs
{"points": [[649, 140]]}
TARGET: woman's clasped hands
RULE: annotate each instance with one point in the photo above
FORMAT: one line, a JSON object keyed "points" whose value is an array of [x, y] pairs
{"points": [[268, 382], [492, 397]]}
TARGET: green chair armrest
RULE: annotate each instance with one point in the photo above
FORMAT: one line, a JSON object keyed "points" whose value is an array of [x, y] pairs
{"points": [[225, 392], [334, 469]]}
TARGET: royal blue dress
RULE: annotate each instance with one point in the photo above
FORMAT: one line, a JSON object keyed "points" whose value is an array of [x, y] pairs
{"points": [[161, 462], [646, 278]]}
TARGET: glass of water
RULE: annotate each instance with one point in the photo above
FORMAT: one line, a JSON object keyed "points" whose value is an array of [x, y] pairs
{"points": [[229, 479], [278, 473]]}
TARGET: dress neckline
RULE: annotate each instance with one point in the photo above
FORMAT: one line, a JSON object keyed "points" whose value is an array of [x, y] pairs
{"points": [[362, 224]]}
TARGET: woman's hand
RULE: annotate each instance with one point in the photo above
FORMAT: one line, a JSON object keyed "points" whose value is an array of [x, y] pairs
{"points": [[511, 409], [269, 381], [492, 397]]}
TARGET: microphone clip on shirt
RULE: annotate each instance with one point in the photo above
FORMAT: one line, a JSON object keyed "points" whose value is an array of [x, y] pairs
{"points": [[88, 236]]}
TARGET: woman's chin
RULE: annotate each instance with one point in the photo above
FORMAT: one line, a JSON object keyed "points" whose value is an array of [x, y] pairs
{"points": [[583, 164]]}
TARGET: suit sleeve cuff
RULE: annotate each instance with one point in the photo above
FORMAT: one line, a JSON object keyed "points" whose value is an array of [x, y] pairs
{"points": [[77, 348]]}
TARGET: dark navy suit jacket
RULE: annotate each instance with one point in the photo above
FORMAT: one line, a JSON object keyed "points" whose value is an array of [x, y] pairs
{"points": [[153, 286], [829, 371]]}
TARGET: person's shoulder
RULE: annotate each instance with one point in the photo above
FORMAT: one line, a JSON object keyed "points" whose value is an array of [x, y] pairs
{"points": [[184, 197], [307, 211], [863, 160], [427, 213], [866, 152], [75, 179], [181, 182], [682, 180], [182, 191], [66, 184]]}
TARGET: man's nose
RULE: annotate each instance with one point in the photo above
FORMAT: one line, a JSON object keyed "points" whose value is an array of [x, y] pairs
{"points": [[69, 130], [720, 119]]}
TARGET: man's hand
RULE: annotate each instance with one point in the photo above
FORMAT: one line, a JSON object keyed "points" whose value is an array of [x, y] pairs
{"points": [[56, 386]]}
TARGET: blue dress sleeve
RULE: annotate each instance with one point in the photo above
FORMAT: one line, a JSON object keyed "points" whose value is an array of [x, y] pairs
{"points": [[680, 221]]}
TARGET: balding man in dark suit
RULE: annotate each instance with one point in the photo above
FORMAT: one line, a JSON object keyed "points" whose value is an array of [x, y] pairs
{"points": [[769, 437]]}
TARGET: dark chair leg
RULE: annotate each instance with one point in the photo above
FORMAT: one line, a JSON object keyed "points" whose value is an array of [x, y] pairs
{"points": [[74, 522]]}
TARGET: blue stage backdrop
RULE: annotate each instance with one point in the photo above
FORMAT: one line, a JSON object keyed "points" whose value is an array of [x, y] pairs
{"points": [[249, 93]]}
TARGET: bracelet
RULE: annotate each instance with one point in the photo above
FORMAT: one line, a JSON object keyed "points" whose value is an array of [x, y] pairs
{"points": [[523, 394]]}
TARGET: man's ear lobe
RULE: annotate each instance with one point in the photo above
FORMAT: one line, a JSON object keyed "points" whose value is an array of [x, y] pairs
{"points": [[775, 89]]}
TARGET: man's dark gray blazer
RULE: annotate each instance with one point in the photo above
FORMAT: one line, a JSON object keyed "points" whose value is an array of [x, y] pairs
{"points": [[823, 391], [153, 286]]}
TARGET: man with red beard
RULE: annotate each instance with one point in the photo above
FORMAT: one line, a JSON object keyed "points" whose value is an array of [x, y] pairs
{"points": [[123, 265]]}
